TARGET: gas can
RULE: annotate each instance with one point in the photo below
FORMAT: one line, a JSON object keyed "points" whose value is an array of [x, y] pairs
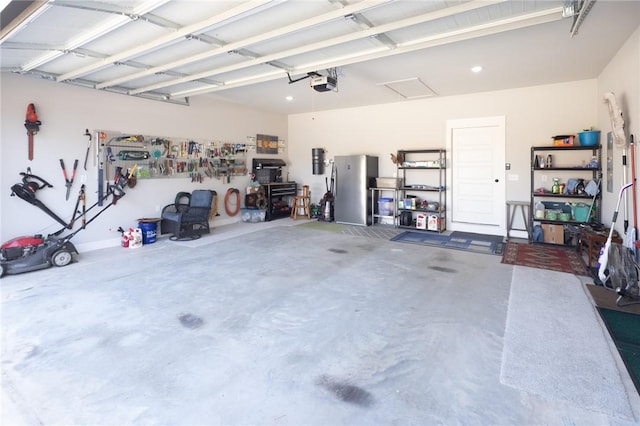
{"points": [[126, 237]]}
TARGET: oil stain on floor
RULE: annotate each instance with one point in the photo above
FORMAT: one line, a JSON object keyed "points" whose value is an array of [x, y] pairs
{"points": [[190, 321], [345, 391]]}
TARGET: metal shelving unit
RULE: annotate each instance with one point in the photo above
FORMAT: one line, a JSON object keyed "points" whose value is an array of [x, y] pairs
{"points": [[567, 162], [376, 217], [423, 176]]}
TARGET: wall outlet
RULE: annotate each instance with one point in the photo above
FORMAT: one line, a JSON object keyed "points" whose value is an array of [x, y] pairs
{"points": [[83, 178], [157, 208]]}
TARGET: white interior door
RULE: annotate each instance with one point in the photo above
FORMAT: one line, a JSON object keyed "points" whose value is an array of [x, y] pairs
{"points": [[476, 193]]}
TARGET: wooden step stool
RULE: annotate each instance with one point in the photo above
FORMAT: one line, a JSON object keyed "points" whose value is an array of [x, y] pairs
{"points": [[302, 202]]}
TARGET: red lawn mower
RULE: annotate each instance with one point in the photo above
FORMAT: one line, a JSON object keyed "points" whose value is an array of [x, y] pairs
{"points": [[30, 253]]}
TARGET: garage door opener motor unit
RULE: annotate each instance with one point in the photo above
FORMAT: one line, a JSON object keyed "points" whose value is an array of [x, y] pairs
{"points": [[323, 83]]}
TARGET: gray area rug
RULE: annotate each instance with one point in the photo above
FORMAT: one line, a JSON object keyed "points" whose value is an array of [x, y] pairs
{"points": [[554, 343]]}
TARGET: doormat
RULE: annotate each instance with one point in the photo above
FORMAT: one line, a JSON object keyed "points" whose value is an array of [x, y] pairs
{"points": [[478, 243], [606, 298], [624, 328], [543, 256]]}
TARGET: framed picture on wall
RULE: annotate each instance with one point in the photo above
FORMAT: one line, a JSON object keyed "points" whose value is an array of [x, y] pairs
{"points": [[266, 144]]}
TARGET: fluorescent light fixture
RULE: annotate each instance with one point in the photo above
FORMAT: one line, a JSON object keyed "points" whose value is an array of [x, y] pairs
{"points": [[476, 69], [289, 98]]}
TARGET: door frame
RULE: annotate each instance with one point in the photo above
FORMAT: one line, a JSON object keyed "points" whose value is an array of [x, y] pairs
{"points": [[494, 121]]}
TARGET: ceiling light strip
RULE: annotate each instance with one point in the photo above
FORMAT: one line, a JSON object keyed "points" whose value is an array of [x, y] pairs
{"points": [[317, 20], [325, 43], [443, 39], [164, 40]]}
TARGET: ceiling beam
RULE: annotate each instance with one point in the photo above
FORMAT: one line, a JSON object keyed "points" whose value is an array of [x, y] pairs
{"points": [[93, 34], [495, 27], [328, 43], [26, 16], [243, 8], [95, 6], [235, 46]]}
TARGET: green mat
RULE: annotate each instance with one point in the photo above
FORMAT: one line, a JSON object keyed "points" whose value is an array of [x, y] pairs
{"points": [[625, 332], [323, 226]]}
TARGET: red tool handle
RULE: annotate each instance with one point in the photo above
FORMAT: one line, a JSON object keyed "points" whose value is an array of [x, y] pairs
{"points": [[633, 181], [75, 167], [64, 171]]}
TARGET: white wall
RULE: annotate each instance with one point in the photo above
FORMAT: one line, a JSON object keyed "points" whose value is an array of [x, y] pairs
{"points": [[66, 111], [533, 116], [622, 77]]}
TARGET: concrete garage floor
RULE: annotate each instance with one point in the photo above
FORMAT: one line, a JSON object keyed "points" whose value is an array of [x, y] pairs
{"points": [[266, 324]]}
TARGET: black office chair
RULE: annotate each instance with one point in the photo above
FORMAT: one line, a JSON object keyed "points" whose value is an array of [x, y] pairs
{"points": [[188, 221]]}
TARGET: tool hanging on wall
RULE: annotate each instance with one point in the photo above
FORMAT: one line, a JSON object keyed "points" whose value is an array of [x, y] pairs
{"points": [[100, 141], [86, 156], [33, 126], [232, 207], [27, 191], [81, 198], [68, 182]]}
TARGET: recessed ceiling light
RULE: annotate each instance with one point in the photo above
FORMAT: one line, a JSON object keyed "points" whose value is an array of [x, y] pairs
{"points": [[476, 68], [289, 98]]}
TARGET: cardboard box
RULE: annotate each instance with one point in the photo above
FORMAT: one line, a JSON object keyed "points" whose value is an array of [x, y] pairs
{"points": [[434, 223], [553, 233], [563, 140], [386, 182]]}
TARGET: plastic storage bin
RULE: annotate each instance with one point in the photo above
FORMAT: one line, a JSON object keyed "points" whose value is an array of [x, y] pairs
{"points": [[253, 215], [385, 206], [591, 138]]}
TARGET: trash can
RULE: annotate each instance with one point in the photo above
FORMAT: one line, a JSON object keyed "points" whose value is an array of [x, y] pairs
{"points": [[149, 228]]}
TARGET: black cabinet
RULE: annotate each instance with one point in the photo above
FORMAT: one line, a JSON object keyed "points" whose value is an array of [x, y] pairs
{"points": [[277, 195]]}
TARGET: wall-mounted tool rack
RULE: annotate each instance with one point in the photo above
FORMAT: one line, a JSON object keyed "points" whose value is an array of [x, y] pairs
{"points": [[163, 157]]}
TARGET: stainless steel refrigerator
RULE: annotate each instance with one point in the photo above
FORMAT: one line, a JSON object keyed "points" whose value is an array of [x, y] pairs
{"points": [[354, 175]]}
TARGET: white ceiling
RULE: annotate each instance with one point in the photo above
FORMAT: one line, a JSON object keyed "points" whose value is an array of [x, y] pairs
{"points": [[257, 52]]}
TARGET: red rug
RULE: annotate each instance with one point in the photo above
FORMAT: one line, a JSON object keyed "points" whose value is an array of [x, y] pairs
{"points": [[544, 256]]}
